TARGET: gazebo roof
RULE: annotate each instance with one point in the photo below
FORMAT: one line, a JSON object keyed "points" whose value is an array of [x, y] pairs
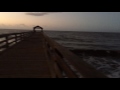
{"points": [[37, 27]]}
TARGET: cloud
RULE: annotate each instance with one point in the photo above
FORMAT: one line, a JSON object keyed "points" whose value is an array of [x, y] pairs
{"points": [[2, 25], [22, 25], [40, 13]]}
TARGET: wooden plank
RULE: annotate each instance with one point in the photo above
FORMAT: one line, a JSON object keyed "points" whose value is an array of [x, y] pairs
{"points": [[50, 62], [58, 71], [66, 69], [4, 46], [61, 63], [2, 41], [4, 35]]}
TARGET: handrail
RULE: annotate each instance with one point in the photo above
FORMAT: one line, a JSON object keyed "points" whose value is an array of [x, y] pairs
{"points": [[69, 62], [6, 40]]}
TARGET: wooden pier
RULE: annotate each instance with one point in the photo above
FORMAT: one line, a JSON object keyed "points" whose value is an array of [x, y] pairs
{"points": [[35, 55]]}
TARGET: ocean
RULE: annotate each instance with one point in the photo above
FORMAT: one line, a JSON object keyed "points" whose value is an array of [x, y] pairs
{"points": [[89, 41]]}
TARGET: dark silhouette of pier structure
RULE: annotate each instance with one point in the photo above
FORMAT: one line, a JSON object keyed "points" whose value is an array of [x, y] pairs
{"points": [[37, 27], [35, 55]]}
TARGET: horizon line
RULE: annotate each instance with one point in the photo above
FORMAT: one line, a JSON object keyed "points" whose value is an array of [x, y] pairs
{"points": [[64, 30]]}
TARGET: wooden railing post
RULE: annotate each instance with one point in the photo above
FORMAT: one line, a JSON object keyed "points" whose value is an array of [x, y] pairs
{"points": [[7, 43], [21, 35], [15, 38]]}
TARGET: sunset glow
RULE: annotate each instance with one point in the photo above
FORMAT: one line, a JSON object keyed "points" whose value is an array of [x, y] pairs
{"points": [[80, 21]]}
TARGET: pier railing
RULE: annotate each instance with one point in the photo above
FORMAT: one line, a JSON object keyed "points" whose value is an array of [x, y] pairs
{"points": [[67, 64], [8, 40]]}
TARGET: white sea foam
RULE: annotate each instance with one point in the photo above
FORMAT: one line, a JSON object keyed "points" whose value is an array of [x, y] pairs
{"points": [[107, 65]]}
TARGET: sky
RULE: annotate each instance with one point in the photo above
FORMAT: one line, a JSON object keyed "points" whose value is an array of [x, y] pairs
{"points": [[65, 21]]}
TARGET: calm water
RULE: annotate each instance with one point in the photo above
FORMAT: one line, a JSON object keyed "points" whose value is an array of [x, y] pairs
{"points": [[87, 40]]}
